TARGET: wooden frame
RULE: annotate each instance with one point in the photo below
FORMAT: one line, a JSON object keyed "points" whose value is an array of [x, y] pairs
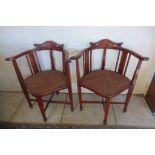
{"points": [[120, 67], [34, 66]]}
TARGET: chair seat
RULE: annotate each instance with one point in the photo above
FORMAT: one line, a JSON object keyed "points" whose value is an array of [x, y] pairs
{"points": [[45, 82], [105, 83]]}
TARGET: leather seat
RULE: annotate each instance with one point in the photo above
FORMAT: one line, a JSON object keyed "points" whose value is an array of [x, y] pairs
{"points": [[105, 83], [46, 82]]}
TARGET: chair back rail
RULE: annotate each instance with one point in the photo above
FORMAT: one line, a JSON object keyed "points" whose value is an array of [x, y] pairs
{"points": [[83, 56], [33, 62], [90, 59], [63, 62], [118, 57], [29, 63], [36, 56], [87, 62], [127, 63], [52, 60], [103, 59], [122, 62], [136, 72]]}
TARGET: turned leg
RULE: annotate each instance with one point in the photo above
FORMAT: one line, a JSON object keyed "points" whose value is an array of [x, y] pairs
{"points": [[106, 109], [57, 92], [71, 98], [27, 98], [80, 97], [41, 107], [127, 99]]}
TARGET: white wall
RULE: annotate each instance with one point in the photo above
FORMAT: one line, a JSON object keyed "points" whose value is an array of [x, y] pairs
{"points": [[14, 40]]}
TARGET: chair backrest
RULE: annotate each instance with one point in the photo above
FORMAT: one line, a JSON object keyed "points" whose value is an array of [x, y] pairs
{"points": [[103, 45], [33, 61], [29, 59], [51, 47], [122, 62]]}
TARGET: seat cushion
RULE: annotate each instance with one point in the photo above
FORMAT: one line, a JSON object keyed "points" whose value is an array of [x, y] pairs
{"points": [[46, 82], [105, 83]]}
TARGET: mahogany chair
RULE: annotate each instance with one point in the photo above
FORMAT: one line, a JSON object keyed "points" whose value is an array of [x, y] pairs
{"points": [[44, 82], [103, 82]]}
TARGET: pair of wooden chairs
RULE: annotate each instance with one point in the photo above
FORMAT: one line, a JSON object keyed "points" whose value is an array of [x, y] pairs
{"points": [[105, 83]]}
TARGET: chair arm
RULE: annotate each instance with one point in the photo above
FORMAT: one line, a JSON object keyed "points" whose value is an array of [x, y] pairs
{"points": [[35, 45], [77, 56], [140, 57], [16, 56], [67, 59]]}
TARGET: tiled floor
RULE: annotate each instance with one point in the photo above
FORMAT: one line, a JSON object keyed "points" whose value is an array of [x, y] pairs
{"points": [[91, 114], [14, 108]]}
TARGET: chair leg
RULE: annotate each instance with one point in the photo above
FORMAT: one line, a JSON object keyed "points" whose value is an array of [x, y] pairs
{"points": [[106, 109], [71, 98], [127, 99], [80, 97], [27, 98], [41, 107]]}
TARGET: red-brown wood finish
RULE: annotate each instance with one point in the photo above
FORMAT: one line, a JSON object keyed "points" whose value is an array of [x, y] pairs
{"points": [[106, 110], [103, 59], [78, 83], [118, 56], [52, 60], [41, 107], [33, 62], [87, 65], [122, 63], [34, 66]]}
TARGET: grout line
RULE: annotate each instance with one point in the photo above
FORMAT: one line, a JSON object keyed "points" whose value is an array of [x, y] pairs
{"points": [[17, 109], [114, 114], [11, 91], [63, 109]]}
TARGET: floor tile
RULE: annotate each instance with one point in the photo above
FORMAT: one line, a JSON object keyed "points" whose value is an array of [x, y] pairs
{"points": [[91, 114], [53, 113], [119, 98], [138, 113], [14, 108], [9, 102]]}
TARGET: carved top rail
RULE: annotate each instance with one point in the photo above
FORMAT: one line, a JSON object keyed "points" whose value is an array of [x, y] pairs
{"points": [[122, 60], [108, 44], [33, 61]]}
